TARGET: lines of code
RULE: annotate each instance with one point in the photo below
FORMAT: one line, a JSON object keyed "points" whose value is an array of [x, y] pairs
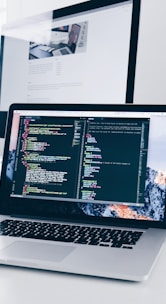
{"points": [[47, 157], [114, 164], [82, 159]]}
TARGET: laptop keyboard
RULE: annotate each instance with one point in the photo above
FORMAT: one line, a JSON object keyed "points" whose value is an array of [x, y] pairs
{"points": [[71, 233]]}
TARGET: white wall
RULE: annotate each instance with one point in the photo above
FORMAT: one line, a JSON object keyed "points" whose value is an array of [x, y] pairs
{"points": [[150, 82]]}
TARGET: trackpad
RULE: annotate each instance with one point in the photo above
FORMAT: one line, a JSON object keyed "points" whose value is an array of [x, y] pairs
{"points": [[36, 251]]}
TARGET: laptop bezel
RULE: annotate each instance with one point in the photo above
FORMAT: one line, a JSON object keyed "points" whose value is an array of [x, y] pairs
{"points": [[38, 208]]}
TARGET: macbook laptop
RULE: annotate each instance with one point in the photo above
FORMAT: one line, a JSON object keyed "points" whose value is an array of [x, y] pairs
{"points": [[83, 189]]}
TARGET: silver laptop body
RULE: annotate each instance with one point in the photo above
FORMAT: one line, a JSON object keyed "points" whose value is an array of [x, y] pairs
{"points": [[84, 169]]}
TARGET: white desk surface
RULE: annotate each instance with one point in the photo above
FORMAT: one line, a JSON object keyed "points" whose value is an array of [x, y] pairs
{"points": [[27, 286]]}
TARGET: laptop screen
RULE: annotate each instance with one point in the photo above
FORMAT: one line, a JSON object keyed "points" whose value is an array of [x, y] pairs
{"points": [[109, 164]]}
